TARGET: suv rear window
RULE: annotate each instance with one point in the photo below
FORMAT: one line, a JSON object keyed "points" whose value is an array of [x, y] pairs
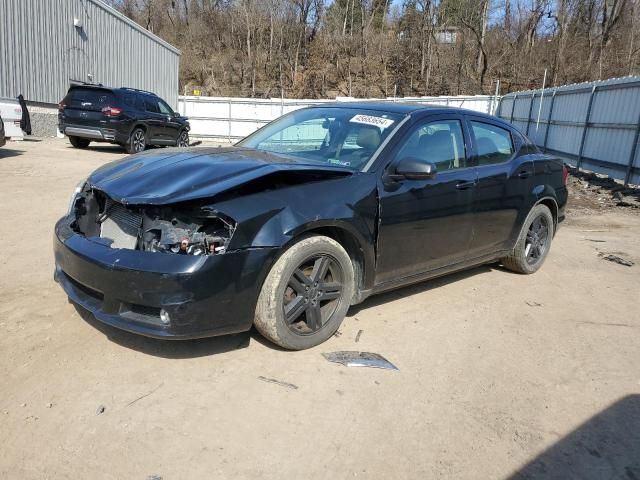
{"points": [[89, 99]]}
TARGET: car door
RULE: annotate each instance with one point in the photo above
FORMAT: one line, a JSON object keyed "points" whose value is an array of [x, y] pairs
{"points": [[426, 224], [155, 120], [504, 184], [171, 127]]}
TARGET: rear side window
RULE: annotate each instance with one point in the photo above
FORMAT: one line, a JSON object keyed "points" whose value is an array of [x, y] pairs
{"points": [[151, 105], [134, 101], [89, 99], [493, 143], [130, 100]]}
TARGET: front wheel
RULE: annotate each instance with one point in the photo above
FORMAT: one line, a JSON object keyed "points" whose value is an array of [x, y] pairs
{"points": [[137, 141], [306, 294], [183, 139], [533, 243]]}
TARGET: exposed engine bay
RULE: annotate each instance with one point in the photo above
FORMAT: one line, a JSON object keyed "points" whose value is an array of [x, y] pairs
{"points": [[178, 229]]}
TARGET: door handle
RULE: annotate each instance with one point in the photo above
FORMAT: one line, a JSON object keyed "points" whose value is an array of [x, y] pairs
{"points": [[464, 185], [524, 174]]}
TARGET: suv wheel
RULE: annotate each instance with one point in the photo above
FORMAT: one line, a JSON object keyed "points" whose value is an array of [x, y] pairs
{"points": [[533, 243], [137, 141], [183, 139], [306, 294], [78, 142]]}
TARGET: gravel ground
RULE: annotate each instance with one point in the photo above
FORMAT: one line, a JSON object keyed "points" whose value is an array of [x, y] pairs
{"points": [[500, 375]]}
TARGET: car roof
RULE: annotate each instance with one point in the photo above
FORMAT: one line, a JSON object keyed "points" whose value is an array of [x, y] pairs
{"points": [[113, 89], [405, 108]]}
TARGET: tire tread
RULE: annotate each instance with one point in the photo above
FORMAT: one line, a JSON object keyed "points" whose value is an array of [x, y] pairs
{"points": [[266, 321]]}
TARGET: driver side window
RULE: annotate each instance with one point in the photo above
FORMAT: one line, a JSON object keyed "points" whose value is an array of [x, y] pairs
{"points": [[439, 142], [164, 108]]}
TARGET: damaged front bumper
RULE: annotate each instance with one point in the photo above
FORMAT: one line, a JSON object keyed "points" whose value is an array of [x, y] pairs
{"points": [[157, 294]]}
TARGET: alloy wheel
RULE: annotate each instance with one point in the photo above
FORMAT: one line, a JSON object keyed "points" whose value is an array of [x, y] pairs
{"points": [[138, 141], [537, 240], [183, 139], [312, 294]]}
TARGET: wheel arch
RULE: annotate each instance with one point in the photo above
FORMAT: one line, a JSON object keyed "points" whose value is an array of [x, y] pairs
{"points": [[551, 204], [138, 125]]}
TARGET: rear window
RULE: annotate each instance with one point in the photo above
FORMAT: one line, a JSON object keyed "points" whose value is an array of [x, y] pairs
{"points": [[89, 99]]}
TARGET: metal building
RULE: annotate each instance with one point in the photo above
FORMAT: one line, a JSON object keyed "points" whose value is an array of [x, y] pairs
{"points": [[46, 44]]}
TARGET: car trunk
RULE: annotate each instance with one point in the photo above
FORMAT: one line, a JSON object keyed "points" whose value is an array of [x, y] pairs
{"points": [[83, 106]]}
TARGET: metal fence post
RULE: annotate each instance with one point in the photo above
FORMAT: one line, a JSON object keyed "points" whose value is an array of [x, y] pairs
{"points": [[513, 107], [586, 126], [533, 96], [546, 132], [229, 120], [632, 155]]}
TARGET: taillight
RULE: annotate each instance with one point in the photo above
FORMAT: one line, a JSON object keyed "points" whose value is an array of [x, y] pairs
{"points": [[61, 106], [565, 174], [111, 111]]}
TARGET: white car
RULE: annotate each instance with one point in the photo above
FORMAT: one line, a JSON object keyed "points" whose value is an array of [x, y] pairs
{"points": [[3, 140], [11, 114]]}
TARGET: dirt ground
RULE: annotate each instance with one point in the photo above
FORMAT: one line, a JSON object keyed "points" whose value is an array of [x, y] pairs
{"points": [[500, 375]]}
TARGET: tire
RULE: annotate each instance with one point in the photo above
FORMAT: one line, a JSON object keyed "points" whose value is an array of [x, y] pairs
{"points": [[183, 139], [78, 142], [534, 242], [295, 283], [137, 141]]}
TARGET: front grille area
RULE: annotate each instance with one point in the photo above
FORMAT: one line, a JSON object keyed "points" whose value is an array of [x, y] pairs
{"points": [[121, 225]]}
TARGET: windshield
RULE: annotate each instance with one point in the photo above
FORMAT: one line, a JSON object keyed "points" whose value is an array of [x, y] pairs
{"points": [[345, 137]]}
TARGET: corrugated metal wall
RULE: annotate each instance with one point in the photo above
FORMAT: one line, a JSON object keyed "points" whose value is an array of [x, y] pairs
{"points": [[595, 125], [41, 50]]}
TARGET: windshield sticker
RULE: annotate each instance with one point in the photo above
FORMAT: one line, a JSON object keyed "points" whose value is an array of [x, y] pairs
{"points": [[335, 161], [372, 120]]}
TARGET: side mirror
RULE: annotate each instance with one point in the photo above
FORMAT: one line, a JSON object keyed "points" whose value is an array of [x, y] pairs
{"points": [[413, 168]]}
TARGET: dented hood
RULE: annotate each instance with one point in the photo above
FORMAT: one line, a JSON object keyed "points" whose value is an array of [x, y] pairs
{"points": [[177, 175]]}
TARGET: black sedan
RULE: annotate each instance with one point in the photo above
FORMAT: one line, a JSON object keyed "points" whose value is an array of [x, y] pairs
{"points": [[302, 219]]}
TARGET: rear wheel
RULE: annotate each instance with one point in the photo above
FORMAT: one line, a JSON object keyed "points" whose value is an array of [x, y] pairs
{"points": [[183, 139], [533, 243], [78, 142], [306, 294], [137, 141]]}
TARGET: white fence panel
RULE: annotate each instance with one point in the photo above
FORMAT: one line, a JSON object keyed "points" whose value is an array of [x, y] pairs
{"points": [[228, 119]]}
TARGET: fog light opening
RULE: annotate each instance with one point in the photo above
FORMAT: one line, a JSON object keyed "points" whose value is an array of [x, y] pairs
{"points": [[164, 316]]}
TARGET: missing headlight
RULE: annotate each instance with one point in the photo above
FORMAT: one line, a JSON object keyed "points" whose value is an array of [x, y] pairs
{"points": [[210, 236], [179, 230]]}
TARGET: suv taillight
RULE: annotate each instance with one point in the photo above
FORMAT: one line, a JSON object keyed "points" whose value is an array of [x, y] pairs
{"points": [[565, 174], [111, 111]]}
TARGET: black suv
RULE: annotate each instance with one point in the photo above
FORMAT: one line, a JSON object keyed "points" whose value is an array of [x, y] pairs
{"points": [[126, 116]]}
